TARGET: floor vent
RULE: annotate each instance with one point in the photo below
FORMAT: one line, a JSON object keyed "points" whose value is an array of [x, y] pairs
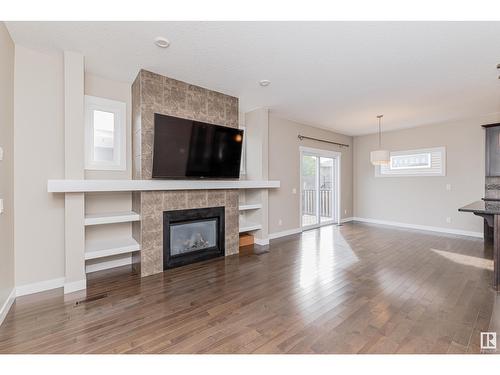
{"points": [[91, 299]]}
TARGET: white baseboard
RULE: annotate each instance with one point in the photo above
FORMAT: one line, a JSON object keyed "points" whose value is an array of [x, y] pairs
{"points": [[75, 286], [420, 227], [261, 241], [45, 285], [284, 233], [289, 232], [4, 310], [41, 286], [108, 264]]}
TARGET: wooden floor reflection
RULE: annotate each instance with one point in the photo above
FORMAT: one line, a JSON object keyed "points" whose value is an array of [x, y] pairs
{"points": [[353, 289]]}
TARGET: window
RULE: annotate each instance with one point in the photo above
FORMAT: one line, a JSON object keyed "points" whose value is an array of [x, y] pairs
{"points": [[105, 134], [423, 162]]}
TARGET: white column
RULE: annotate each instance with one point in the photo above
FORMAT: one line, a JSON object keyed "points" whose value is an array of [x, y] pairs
{"points": [[74, 241]]}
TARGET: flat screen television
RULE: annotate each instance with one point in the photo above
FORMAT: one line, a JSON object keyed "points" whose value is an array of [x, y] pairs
{"points": [[191, 149]]}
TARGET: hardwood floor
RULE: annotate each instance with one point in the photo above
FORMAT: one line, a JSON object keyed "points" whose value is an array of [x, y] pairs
{"points": [[358, 288]]}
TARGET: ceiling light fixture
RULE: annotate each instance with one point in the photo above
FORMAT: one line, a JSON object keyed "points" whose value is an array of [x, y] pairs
{"points": [[162, 42], [380, 156], [264, 82]]}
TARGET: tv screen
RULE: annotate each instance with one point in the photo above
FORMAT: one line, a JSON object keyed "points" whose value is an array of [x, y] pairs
{"points": [[191, 149]]}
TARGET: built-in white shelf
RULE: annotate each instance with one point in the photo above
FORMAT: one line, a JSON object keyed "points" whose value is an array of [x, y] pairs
{"points": [[88, 186], [248, 227], [105, 248], [106, 263], [111, 218], [246, 207]]}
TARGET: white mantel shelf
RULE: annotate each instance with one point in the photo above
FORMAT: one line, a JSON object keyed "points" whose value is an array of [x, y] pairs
{"points": [[89, 186]]}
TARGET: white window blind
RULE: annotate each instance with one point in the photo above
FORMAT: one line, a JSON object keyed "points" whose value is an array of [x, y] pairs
{"points": [[421, 162]]}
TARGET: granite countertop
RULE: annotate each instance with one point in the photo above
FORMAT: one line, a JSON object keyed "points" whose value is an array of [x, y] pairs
{"points": [[482, 207]]}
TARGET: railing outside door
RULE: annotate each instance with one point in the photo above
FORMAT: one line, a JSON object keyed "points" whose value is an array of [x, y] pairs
{"points": [[309, 202]]}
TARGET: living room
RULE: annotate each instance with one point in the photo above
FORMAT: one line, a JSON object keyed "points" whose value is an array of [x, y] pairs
{"points": [[262, 187]]}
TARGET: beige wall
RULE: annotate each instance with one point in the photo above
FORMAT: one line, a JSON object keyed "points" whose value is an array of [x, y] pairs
{"points": [[424, 200], [39, 151], [284, 165], [38, 156], [7, 164]]}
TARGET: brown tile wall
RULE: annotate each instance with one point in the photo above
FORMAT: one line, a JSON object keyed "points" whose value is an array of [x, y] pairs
{"points": [[153, 93]]}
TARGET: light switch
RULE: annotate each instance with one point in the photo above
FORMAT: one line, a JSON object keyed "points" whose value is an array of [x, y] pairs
{"points": [[294, 191], [1, 153], [1, 206], [448, 187]]}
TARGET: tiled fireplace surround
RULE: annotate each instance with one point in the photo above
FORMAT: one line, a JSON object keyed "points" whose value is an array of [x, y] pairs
{"points": [[154, 93]]}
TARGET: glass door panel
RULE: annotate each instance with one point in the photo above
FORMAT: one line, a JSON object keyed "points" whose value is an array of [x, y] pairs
{"points": [[326, 189], [309, 177]]}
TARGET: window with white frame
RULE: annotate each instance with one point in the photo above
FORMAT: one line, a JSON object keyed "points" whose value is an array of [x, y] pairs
{"points": [[421, 162], [105, 134]]}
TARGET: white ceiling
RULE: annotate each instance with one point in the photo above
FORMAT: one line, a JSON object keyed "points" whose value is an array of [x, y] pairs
{"points": [[336, 75]]}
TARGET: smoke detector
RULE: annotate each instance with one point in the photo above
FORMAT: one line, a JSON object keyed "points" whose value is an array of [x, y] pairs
{"points": [[162, 42], [264, 82]]}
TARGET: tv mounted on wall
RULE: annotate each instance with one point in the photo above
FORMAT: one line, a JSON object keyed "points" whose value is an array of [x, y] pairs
{"points": [[191, 149]]}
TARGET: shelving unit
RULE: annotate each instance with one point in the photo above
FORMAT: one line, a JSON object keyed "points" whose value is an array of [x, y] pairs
{"points": [[246, 207], [108, 237], [111, 218], [248, 227], [89, 186], [253, 207], [106, 248]]}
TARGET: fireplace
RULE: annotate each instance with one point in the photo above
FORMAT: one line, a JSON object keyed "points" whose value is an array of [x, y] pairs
{"points": [[192, 235]]}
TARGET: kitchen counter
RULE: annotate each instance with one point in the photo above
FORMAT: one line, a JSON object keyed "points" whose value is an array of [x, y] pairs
{"points": [[482, 207], [490, 211]]}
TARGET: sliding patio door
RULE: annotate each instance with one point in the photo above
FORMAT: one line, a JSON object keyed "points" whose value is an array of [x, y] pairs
{"points": [[320, 191]]}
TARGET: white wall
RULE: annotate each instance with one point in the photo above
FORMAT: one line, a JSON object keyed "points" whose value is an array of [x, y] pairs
{"points": [[284, 165], [6, 168], [425, 200], [114, 90], [257, 168], [110, 202], [38, 156]]}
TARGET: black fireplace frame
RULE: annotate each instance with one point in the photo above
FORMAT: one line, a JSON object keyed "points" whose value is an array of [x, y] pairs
{"points": [[188, 216]]}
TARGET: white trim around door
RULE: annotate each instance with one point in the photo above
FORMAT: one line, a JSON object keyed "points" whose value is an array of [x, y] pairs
{"points": [[336, 156]]}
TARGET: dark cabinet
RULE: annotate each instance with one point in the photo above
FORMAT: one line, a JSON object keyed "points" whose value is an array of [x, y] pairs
{"points": [[493, 150]]}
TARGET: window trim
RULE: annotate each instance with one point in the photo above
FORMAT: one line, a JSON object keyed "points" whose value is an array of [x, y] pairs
{"points": [[118, 108], [411, 171], [413, 154]]}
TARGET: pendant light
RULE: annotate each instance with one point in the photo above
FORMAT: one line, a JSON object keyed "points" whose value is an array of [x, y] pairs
{"points": [[380, 156]]}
